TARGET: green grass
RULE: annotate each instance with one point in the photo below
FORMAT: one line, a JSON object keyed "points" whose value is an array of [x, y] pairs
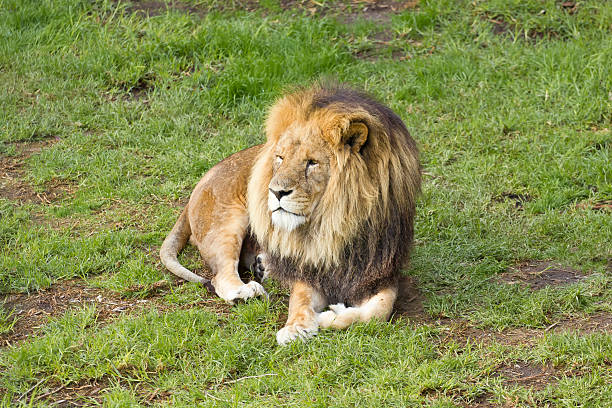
{"points": [[505, 99]]}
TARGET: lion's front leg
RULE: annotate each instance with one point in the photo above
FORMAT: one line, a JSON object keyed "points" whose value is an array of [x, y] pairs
{"points": [[378, 306], [302, 322]]}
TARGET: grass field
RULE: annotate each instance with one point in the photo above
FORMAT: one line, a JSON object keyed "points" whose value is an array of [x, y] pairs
{"points": [[110, 112]]}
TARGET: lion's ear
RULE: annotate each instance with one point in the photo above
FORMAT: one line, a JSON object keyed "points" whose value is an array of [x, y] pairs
{"points": [[355, 136]]}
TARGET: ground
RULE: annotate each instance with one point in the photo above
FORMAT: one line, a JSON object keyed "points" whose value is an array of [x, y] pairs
{"points": [[111, 111]]}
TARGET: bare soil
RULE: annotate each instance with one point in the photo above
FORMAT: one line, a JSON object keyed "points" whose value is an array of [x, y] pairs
{"points": [[90, 392], [501, 26], [540, 274], [376, 11], [533, 375], [463, 331], [602, 205], [480, 402], [409, 302], [536, 274], [33, 310], [81, 394], [12, 173], [372, 10], [153, 8], [517, 199]]}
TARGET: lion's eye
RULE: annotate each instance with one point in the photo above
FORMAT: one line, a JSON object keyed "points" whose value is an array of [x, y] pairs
{"points": [[279, 159], [311, 163]]}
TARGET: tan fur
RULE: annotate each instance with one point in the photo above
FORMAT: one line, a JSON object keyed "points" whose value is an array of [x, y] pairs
{"points": [[215, 220], [312, 167]]}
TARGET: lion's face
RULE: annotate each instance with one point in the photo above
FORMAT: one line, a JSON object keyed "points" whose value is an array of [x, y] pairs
{"points": [[300, 174], [335, 165]]}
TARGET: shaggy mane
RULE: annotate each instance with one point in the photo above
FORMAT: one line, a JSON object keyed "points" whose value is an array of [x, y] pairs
{"points": [[360, 234]]}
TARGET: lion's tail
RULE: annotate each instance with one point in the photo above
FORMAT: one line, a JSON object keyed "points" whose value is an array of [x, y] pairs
{"points": [[174, 242]]}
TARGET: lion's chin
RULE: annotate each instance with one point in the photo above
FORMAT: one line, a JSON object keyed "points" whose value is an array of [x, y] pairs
{"points": [[286, 220]]}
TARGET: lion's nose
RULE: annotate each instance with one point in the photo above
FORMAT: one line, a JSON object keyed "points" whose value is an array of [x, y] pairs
{"points": [[280, 193]]}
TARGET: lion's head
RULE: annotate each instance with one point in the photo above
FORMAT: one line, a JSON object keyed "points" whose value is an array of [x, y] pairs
{"points": [[336, 165]]}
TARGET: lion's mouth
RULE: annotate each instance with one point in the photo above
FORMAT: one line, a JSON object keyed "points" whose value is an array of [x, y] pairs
{"points": [[287, 220], [288, 212]]}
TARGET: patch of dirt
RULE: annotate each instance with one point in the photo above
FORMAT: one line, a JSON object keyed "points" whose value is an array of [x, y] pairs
{"points": [[482, 401], [151, 8], [517, 199], [569, 6], [90, 392], [371, 10], [141, 89], [33, 310], [530, 375], [381, 43], [500, 26], [603, 205], [79, 394], [464, 332], [507, 26], [12, 184], [597, 322], [379, 12], [459, 396], [349, 11], [540, 274], [409, 302]]}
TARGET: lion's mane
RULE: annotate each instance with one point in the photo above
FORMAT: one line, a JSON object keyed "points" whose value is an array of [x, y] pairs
{"points": [[360, 234]]}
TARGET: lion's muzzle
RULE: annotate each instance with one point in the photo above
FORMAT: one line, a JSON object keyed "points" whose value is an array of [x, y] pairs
{"points": [[284, 213]]}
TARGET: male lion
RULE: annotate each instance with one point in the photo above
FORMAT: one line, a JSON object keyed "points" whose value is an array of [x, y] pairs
{"points": [[330, 198]]}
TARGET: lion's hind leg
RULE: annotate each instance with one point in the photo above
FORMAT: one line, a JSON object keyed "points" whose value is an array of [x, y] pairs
{"points": [[221, 249], [378, 306]]}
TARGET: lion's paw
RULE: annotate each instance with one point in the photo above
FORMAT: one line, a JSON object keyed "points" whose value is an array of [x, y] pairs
{"points": [[338, 308], [294, 332], [244, 292], [326, 318], [260, 272]]}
